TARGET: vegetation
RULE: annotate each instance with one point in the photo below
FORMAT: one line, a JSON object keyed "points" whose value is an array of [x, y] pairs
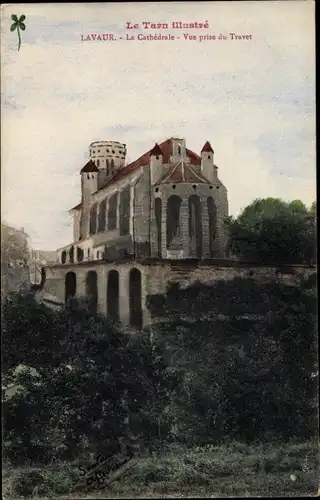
{"points": [[220, 395], [272, 230]]}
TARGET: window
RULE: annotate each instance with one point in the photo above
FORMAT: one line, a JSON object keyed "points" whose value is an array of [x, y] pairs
{"points": [[98, 163], [71, 255], [112, 166], [107, 167], [179, 150], [102, 216], [173, 219], [98, 255], [124, 212], [63, 257], [93, 219], [158, 215], [112, 212], [195, 225], [212, 215]]}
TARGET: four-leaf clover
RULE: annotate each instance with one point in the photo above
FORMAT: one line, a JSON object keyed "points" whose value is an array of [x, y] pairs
{"points": [[18, 24]]}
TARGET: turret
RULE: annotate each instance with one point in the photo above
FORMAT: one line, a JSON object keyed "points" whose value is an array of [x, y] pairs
{"points": [[108, 156], [156, 162], [178, 150], [89, 185], [208, 169]]}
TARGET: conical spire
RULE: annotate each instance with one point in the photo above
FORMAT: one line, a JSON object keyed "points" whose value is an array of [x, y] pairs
{"points": [[156, 150], [207, 148]]}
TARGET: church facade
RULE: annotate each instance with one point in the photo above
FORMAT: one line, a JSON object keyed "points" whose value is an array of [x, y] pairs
{"points": [[167, 207]]}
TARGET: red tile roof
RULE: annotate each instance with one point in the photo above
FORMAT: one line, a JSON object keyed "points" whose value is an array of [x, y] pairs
{"points": [[166, 149], [89, 167], [182, 172], [207, 148], [156, 151]]}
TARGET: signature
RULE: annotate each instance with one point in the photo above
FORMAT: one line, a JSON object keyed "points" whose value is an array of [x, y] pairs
{"points": [[99, 472]]}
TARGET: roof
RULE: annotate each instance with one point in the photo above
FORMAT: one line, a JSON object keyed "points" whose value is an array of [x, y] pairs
{"points": [[182, 172], [89, 167], [166, 150], [207, 148], [156, 150]]}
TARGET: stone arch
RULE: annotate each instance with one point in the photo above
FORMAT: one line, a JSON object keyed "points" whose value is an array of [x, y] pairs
{"points": [[135, 297], [195, 224], [93, 219], [113, 295], [92, 291], [102, 216], [70, 285], [71, 255], [63, 257], [212, 219], [173, 219], [158, 216], [80, 254]]}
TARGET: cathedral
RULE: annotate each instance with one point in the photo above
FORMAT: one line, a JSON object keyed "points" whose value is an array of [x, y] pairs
{"points": [[136, 222]]}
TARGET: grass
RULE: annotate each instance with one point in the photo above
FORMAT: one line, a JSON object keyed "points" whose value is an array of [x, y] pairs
{"points": [[236, 469]]}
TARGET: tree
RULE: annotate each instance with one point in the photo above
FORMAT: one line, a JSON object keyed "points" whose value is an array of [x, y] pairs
{"points": [[94, 384], [246, 357], [271, 230]]}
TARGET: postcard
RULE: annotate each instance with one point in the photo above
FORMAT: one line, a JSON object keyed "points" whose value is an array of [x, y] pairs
{"points": [[158, 251]]}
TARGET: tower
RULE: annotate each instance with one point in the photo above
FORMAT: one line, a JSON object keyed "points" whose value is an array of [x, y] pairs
{"points": [[156, 162], [109, 157], [89, 184], [207, 167]]}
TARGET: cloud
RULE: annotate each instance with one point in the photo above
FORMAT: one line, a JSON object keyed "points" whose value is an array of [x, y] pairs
{"points": [[254, 100]]}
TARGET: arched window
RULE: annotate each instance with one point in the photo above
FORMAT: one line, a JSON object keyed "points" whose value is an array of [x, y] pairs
{"points": [[80, 254], [63, 257], [135, 298], [179, 150], [113, 296], [124, 209], [102, 216], [212, 216], [173, 220], [195, 225], [71, 255], [112, 212], [158, 215], [93, 219], [70, 285], [92, 291]]}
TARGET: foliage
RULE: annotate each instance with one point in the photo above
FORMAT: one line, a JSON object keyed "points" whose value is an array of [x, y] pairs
{"points": [[246, 355], [272, 230], [90, 378]]}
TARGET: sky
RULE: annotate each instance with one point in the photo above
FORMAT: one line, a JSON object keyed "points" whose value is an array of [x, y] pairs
{"points": [[253, 99]]}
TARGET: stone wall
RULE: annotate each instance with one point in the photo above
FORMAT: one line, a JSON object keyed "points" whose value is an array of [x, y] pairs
{"points": [[157, 275]]}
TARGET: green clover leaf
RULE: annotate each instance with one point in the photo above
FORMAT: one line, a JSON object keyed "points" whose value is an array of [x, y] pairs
{"points": [[18, 25]]}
